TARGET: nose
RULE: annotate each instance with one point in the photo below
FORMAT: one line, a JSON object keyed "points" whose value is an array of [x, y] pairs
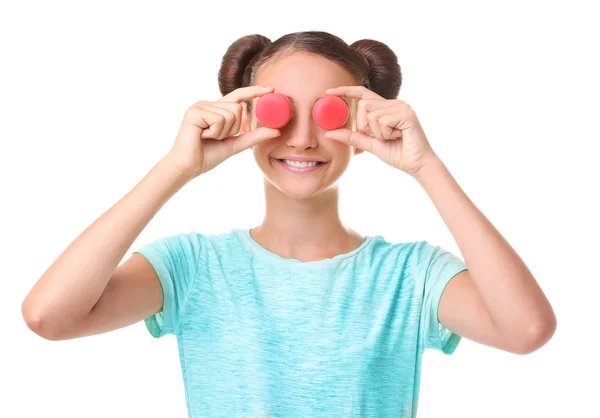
{"points": [[301, 131]]}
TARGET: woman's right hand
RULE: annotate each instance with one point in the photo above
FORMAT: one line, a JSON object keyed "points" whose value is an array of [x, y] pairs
{"points": [[208, 133]]}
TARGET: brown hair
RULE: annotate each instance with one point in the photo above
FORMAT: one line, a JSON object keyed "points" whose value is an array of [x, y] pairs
{"points": [[372, 63]]}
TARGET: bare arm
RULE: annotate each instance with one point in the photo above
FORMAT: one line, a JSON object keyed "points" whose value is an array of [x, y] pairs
{"points": [[74, 298], [83, 292], [497, 302]]}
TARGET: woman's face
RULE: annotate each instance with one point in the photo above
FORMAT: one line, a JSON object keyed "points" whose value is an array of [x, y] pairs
{"points": [[303, 78]]}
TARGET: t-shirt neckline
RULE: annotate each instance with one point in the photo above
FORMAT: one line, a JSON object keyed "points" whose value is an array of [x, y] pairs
{"points": [[257, 248]]}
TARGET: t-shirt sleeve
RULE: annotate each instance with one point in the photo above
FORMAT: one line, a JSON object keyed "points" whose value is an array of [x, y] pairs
{"points": [[438, 266], [175, 259]]}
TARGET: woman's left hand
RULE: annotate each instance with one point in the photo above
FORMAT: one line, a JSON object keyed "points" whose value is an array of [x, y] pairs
{"points": [[387, 128]]}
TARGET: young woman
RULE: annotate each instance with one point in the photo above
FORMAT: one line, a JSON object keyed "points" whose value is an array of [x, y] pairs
{"points": [[299, 316]]}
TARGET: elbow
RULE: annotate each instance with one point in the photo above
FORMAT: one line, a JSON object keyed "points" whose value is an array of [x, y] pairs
{"points": [[537, 336], [38, 323]]}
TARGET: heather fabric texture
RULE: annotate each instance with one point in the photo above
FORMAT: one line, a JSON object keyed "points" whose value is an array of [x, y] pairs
{"points": [[260, 335]]}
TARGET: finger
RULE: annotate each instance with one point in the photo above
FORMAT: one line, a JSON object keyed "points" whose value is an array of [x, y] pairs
{"points": [[210, 122], [387, 125], [199, 117], [367, 131], [374, 125], [249, 139], [396, 134], [373, 104], [393, 117], [227, 125], [236, 109], [358, 92], [246, 93], [364, 107], [376, 109], [353, 138], [362, 124], [386, 119]]}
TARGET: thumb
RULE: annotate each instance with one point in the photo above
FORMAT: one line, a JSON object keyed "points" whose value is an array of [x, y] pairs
{"points": [[249, 139], [353, 138]]}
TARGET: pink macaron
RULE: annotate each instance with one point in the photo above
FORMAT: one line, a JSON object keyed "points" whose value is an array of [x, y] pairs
{"points": [[330, 112], [273, 110]]}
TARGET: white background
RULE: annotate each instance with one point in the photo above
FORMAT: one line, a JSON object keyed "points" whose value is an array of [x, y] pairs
{"points": [[92, 96]]}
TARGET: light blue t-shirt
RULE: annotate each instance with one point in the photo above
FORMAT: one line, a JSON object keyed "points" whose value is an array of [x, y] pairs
{"points": [[260, 335]]}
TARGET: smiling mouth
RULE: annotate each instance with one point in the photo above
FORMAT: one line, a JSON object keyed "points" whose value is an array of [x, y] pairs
{"points": [[318, 162], [301, 168]]}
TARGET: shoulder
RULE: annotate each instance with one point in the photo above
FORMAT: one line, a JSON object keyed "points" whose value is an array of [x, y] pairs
{"points": [[400, 258], [194, 239], [414, 259], [409, 251], [210, 246]]}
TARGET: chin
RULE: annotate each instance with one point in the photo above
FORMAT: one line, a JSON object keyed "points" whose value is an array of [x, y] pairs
{"points": [[302, 196], [297, 192]]}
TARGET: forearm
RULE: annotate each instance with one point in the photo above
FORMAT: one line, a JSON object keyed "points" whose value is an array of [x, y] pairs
{"points": [[514, 300], [72, 285]]}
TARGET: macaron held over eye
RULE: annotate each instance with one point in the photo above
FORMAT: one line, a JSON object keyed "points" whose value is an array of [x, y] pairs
{"points": [[330, 112], [274, 110]]}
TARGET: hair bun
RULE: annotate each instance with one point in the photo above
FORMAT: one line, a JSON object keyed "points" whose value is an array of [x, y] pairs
{"points": [[385, 77], [232, 73]]}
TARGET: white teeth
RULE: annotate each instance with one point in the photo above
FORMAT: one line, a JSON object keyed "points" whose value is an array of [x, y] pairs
{"points": [[300, 164]]}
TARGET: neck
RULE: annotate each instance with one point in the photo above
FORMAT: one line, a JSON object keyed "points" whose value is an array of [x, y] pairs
{"points": [[304, 229]]}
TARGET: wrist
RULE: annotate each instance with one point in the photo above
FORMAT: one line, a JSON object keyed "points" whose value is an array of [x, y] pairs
{"points": [[178, 168], [175, 170], [431, 164]]}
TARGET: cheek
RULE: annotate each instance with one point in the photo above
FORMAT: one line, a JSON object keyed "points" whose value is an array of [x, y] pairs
{"points": [[262, 153], [339, 151], [257, 151]]}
